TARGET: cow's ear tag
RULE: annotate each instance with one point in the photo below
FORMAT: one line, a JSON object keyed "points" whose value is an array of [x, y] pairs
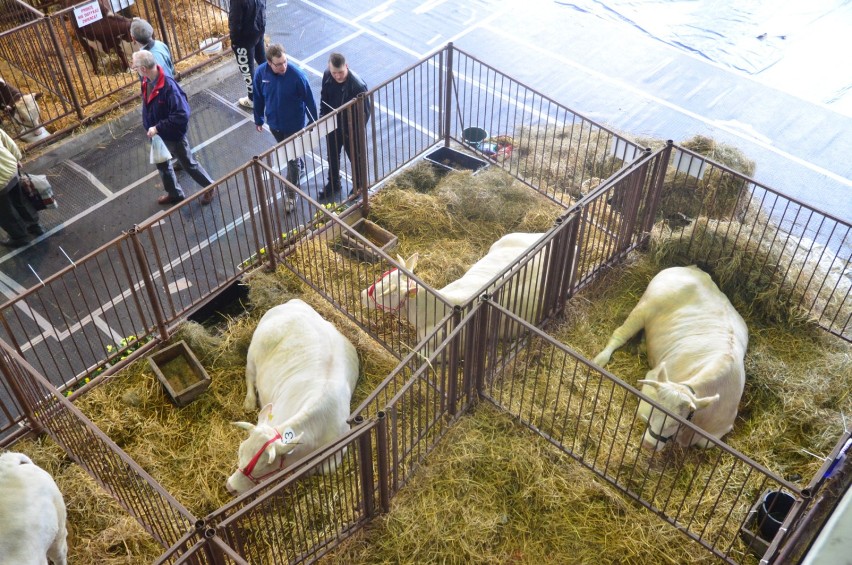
{"points": [[289, 435]]}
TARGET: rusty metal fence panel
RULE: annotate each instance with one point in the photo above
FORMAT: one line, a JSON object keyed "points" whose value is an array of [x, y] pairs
{"points": [[592, 416], [556, 151], [301, 513], [139, 494], [796, 255]]}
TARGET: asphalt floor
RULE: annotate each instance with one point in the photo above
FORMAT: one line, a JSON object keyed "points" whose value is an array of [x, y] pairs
{"points": [[603, 69]]}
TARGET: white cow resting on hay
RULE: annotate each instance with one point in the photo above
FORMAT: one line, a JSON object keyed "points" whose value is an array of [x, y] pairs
{"points": [[304, 372], [696, 343], [394, 291], [32, 514]]}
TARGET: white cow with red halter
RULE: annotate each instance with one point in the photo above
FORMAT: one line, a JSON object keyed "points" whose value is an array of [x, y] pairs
{"points": [[696, 343], [32, 514], [396, 292], [304, 372]]}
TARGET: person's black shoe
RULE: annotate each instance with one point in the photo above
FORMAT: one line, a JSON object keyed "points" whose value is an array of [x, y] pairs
{"points": [[13, 243], [329, 190], [36, 229]]}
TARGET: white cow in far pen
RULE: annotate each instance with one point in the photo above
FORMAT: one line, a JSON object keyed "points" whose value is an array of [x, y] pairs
{"points": [[394, 291], [304, 372], [696, 343], [32, 514]]}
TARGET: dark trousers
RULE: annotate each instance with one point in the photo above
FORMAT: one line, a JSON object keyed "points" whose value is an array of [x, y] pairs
{"points": [[16, 213], [181, 151], [247, 57], [335, 141], [293, 166]]}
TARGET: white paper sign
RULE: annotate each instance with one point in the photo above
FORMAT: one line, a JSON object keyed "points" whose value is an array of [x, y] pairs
{"points": [[87, 13], [118, 5]]}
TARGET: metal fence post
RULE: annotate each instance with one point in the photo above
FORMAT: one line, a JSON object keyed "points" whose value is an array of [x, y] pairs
{"points": [[448, 95], [359, 142], [265, 215], [654, 196], [452, 385], [11, 377], [365, 468], [148, 279], [64, 66], [382, 451]]}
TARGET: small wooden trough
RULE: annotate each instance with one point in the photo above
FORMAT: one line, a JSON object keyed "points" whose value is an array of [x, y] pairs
{"points": [[180, 372], [380, 237]]}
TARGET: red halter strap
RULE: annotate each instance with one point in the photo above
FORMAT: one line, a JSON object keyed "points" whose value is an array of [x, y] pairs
{"points": [[249, 469], [372, 291]]}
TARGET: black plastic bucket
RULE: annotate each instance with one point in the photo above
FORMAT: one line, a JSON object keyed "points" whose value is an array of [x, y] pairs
{"points": [[771, 513], [474, 136]]}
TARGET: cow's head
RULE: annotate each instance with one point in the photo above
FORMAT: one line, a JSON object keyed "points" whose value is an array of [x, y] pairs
{"points": [[27, 116], [677, 398], [263, 453], [393, 289]]}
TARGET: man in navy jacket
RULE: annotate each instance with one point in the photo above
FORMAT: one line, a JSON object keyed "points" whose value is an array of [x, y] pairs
{"points": [[165, 112], [283, 97], [339, 86]]}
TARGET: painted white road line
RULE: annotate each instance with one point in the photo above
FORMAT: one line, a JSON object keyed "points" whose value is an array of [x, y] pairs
{"points": [[89, 176]]}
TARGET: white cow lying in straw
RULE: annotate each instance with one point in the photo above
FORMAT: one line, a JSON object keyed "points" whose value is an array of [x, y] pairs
{"points": [[304, 372], [32, 514], [696, 343], [394, 290]]}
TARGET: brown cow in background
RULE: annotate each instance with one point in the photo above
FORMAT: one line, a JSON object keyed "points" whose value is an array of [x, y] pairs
{"points": [[108, 35]]}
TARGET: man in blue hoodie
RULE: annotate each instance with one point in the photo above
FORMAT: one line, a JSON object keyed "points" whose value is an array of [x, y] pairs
{"points": [[165, 112], [283, 97]]}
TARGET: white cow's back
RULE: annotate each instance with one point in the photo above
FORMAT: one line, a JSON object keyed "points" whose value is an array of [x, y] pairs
{"points": [[501, 254], [687, 317], [293, 340], [32, 513]]}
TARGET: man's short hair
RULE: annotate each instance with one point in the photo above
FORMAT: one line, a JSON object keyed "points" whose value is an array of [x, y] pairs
{"points": [[144, 59], [336, 60], [274, 50], [141, 31]]}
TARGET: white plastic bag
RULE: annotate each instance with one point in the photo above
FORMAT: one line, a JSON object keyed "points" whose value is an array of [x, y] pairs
{"points": [[42, 186], [159, 151]]}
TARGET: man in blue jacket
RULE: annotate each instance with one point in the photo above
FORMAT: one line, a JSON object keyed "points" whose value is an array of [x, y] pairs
{"points": [[246, 26], [165, 112], [283, 97]]}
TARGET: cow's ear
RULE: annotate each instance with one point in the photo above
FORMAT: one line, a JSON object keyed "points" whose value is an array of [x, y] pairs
{"points": [[412, 262], [272, 452], [244, 425], [662, 373], [706, 401], [265, 414]]}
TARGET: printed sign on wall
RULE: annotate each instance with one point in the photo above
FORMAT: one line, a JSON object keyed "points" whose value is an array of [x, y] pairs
{"points": [[87, 13]]}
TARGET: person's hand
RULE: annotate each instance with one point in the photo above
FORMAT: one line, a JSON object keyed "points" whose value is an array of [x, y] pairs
{"points": [[152, 131], [259, 128]]}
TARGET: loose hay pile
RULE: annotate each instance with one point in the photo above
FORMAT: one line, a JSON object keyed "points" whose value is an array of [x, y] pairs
{"points": [[453, 222]]}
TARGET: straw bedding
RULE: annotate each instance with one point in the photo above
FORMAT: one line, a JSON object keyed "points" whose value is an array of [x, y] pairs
{"points": [[490, 493]]}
